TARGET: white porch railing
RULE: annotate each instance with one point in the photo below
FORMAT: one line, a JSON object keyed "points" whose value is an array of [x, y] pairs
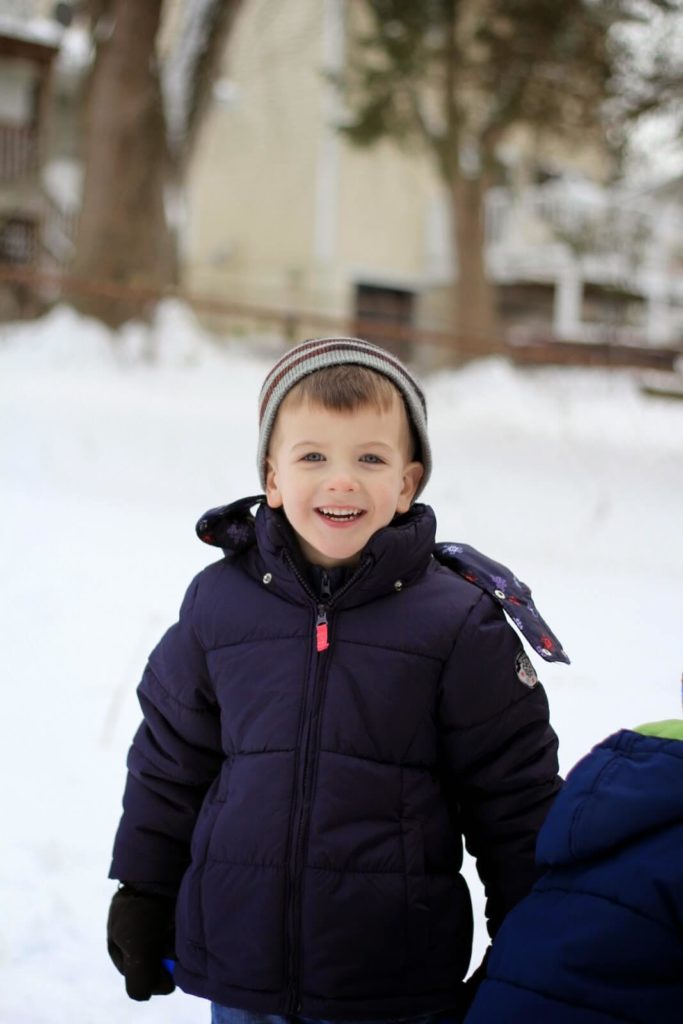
{"points": [[568, 235], [18, 152]]}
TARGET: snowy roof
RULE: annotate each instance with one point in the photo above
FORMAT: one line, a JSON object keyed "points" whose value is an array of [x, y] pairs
{"points": [[40, 31], [43, 31], [186, 68], [181, 65]]}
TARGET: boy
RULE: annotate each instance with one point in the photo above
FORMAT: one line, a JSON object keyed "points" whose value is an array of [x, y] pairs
{"points": [[334, 709], [600, 937]]}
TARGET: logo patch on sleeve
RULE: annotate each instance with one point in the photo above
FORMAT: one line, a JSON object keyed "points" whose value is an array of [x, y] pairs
{"points": [[526, 673]]}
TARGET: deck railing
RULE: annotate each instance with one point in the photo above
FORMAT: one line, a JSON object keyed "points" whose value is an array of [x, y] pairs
{"points": [[18, 152]]}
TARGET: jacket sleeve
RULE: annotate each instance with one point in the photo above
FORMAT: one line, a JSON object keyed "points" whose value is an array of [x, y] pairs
{"points": [[175, 755], [498, 753]]}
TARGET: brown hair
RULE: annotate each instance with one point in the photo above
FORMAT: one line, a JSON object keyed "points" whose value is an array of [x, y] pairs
{"points": [[349, 387]]}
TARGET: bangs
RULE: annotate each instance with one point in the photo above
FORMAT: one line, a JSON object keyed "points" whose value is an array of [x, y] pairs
{"points": [[345, 389]]}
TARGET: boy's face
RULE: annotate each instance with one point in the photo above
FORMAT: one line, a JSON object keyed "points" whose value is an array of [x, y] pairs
{"points": [[340, 476]]}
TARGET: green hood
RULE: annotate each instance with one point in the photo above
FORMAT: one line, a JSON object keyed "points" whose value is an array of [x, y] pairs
{"points": [[672, 729]]}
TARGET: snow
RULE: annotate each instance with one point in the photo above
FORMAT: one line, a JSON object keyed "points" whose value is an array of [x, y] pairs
{"points": [[32, 30], [76, 52], [654, 153], [181, 65], [571, 477], [63, 181]]}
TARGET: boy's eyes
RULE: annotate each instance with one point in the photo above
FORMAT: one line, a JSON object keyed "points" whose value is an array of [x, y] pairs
{"points": [[368, 457]]}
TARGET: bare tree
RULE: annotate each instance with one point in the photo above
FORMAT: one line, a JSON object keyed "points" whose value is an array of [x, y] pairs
{"points": [[131, 165], [123, 236]]}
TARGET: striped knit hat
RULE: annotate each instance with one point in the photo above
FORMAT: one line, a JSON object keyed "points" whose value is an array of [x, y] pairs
{"points": [[320, 353]]}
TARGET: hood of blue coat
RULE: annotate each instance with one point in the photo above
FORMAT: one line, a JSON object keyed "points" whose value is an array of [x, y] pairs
{"points": [[628, 785]]}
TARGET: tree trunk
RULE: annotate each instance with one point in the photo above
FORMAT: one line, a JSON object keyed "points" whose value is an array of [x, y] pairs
{"points": [[123, 237], [477, 324]]}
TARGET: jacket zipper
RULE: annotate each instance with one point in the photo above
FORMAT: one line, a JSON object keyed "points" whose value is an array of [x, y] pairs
{"points": [[305, 762], [321, 641]]}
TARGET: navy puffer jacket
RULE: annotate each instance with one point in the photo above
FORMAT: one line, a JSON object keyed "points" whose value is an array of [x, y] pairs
{"points": [[310, 803], [600, 938]]}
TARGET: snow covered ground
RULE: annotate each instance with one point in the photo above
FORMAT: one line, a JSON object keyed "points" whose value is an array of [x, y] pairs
{"points": [[572, 478]]}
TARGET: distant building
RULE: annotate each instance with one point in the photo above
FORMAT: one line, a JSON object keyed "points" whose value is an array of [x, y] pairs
{"points": [[275, 210], [280, 211], [605, 264], [35, 230]]}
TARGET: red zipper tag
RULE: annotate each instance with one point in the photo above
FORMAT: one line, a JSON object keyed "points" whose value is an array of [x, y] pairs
{"points": [[321, 643]]}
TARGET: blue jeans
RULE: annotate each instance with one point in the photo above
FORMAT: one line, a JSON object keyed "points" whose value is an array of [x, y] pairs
{"points": [[226, 1015]]}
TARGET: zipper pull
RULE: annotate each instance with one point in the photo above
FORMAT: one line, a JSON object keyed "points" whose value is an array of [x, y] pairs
{"points": [[321, 642]]}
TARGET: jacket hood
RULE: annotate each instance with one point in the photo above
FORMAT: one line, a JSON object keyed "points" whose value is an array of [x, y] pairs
{"points": [[628, 785], [230, 527]]}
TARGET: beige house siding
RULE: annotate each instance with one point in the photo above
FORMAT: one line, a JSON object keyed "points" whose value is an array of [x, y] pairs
{"points": [[250, 197], [382, 208], [280, 209]]}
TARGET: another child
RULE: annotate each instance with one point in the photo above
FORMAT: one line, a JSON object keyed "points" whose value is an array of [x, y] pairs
{"points": [[600, 938], [333, 711]]}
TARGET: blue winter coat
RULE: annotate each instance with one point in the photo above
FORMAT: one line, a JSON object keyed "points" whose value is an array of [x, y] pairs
{"points": [[310, 803], [600, 938]]}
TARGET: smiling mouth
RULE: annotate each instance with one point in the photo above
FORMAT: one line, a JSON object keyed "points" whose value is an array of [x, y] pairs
{"points": [[340, 515]]}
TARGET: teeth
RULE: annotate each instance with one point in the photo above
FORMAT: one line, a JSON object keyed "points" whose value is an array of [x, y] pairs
{"points": [[341, 513]]}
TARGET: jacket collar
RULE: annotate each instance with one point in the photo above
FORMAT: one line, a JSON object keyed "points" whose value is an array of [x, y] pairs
{"points": [[396, 554]]}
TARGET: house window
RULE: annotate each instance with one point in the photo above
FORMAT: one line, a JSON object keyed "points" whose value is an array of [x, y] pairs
{"points": [[18, 241], [381, 314]]}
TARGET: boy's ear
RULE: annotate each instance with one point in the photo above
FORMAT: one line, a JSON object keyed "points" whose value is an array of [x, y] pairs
{"points": [[273, 496], [412, 474]]}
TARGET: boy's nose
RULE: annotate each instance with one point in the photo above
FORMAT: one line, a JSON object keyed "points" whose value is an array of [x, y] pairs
{"points": [[342, 479]]}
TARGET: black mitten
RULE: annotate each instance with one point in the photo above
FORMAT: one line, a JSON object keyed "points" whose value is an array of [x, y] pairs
{"points": [[140, 934]]}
